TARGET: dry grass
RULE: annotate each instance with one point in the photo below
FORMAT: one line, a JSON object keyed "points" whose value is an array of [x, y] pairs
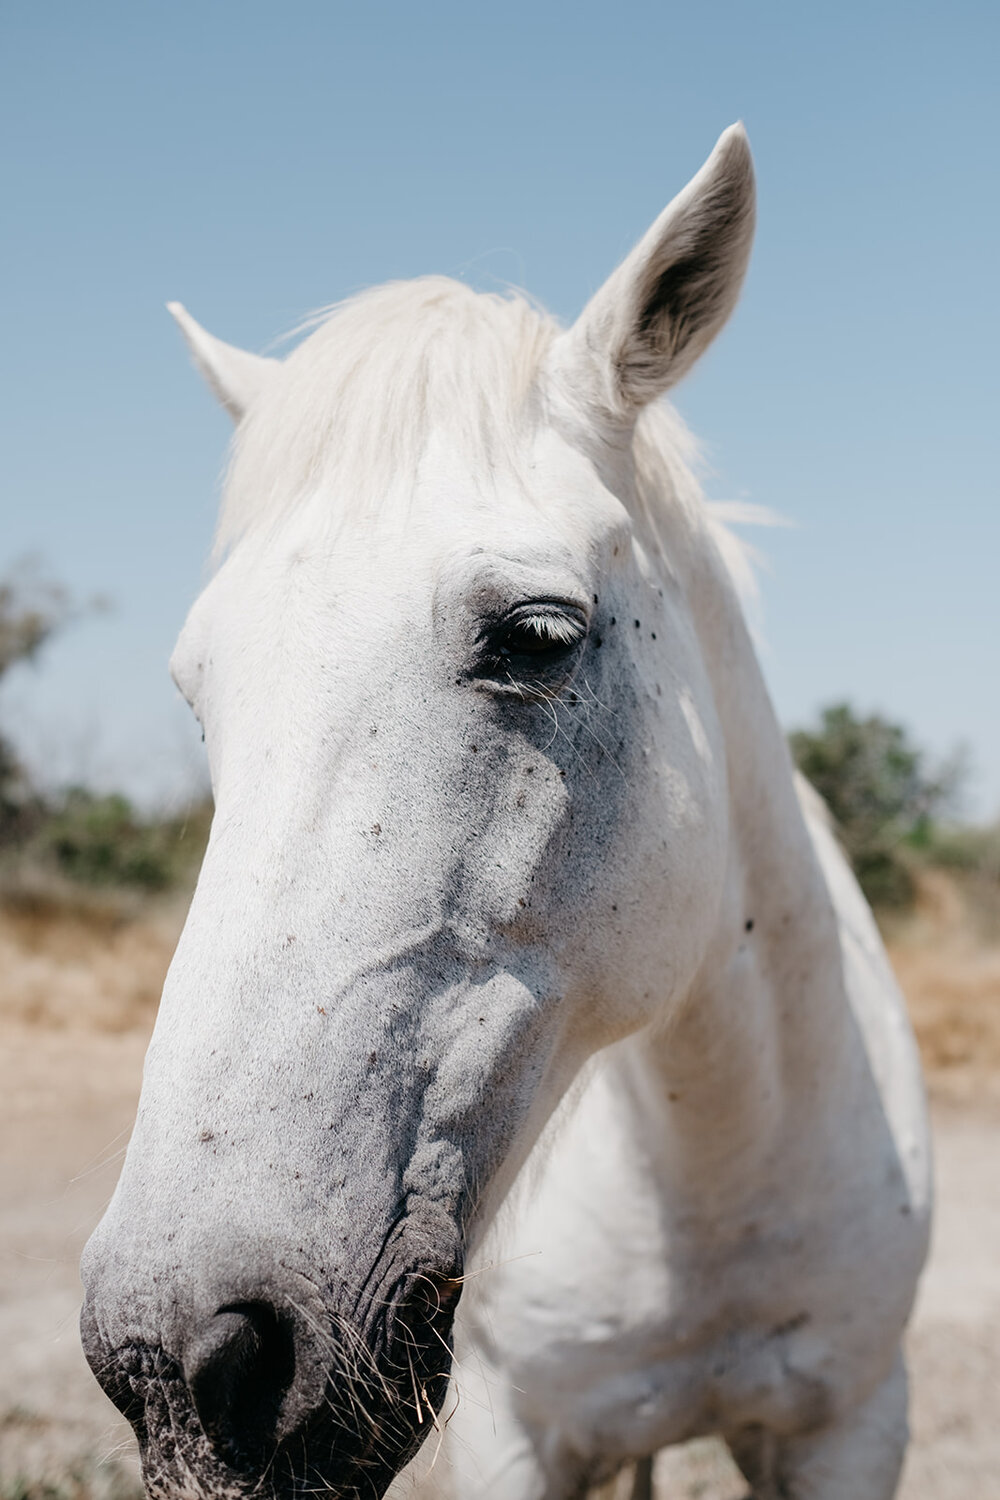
{"points": [[86, 1478], [97, 961], [71, 959], [80, 976], [946, 954]]}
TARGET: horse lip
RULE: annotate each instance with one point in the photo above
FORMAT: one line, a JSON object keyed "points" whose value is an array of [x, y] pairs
{"points": [[318, 1439], [117, 1370]]}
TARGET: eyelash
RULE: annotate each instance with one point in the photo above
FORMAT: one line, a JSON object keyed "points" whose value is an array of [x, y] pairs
{"points": [[540, 634], [545, 632]]}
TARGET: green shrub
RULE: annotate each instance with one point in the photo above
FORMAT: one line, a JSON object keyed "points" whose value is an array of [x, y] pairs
{"points": [[976, 850], [880, 794], [102, 841], [32, 610], [78, 836]]}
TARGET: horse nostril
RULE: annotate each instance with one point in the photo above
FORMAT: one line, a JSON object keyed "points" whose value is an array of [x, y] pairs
{"points": [[238, 1369]]}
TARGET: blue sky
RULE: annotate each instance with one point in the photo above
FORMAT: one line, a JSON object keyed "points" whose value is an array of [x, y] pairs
{"points": [[256, 161]]}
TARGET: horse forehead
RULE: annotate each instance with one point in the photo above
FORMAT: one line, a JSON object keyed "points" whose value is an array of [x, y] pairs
{"points": [[533, 477], [543, 511]]}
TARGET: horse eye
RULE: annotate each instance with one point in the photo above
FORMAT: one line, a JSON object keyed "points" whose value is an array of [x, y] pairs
{"points": [[528, 651], [539, 632]]}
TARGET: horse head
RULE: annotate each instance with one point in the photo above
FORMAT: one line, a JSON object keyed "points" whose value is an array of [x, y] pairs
{"points": [[469, 829]]}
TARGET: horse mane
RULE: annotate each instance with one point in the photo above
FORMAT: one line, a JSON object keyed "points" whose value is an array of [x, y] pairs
{"points": [[351, 408], [668, 460]]}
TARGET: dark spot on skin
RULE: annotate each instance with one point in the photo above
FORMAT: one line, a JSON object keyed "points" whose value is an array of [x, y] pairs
{"points": [[376, 828], [614, 908], [652, 635], [637, 624], [373, 730], [790, 1325], [748, 925], [206, 1135], [598, 643], [475, 749], [320, 1010], [673, 1097], [372, 1059], [596, 600], [613, 620]]}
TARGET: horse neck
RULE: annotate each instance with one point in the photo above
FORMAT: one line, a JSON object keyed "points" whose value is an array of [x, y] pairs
{"points": [[762, 1043]]}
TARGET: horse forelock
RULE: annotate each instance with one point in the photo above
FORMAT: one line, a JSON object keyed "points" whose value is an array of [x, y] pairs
{"points": [[355, 403], [350, 416]]}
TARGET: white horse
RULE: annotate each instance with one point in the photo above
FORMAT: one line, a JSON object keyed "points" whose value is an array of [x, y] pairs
{"points": [[509, 879]]}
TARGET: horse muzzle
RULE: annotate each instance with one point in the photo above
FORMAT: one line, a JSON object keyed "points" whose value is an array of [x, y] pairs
{"points": [[288, 1391]]}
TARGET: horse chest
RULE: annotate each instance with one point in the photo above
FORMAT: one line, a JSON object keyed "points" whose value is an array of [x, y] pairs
{"points": [[654, 1354], [624, 1327]]}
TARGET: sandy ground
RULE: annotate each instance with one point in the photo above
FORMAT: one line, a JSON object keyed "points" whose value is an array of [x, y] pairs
{"points": [[67, 1100], [66, 1104], [76, 1002]]}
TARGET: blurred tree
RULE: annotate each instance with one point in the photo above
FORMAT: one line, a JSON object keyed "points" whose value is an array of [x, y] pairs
{"points": [[99, 839], [879, 791], [32, 608], [89, 838]]}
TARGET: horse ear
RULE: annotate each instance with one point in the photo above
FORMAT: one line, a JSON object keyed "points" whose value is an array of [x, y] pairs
{"points": [[234, 376], [665, 303]]}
